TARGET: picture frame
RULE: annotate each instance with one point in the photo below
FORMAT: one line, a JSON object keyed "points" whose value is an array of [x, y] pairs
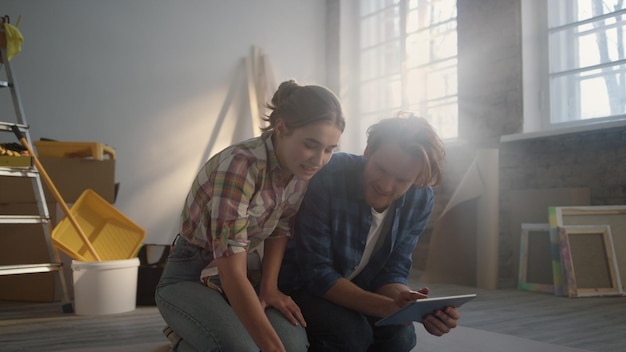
{"points": [[535, 262], [610, 215], [589, 262]]}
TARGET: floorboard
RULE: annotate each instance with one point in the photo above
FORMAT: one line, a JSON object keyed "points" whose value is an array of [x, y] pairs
{"points": [[539, 320]]}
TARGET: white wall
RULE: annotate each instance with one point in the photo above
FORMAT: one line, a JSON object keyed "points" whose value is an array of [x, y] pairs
{"points": [[150, 79]]}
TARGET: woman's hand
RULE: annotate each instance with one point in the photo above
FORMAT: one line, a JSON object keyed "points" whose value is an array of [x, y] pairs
{"points": [[284, 304]]}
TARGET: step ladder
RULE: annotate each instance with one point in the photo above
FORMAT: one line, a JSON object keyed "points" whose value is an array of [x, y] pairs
{"points": [[43, 218]]}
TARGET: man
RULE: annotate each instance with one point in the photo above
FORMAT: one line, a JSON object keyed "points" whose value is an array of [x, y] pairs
{"points": [[357, 227]]}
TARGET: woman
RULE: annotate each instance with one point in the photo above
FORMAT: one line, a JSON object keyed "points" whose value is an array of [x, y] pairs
{"points": [[245, 196]]}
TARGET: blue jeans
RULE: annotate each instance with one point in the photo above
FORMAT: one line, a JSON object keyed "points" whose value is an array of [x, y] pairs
{"points": [[202, 316], [334, 328]]}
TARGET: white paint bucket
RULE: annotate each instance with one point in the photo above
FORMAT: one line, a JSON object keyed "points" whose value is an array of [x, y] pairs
{"points": [[106, 287]]}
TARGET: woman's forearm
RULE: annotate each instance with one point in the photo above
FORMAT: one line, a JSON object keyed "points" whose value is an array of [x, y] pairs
{"points": [[245, 302], [273, 252]]}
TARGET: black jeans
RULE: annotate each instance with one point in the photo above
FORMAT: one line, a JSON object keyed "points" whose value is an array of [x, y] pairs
{"points": [[334, 328]]}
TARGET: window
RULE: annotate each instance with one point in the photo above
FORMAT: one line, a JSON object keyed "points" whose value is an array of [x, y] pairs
{"points": [[587, 64], [579, 62], [408, 61]]}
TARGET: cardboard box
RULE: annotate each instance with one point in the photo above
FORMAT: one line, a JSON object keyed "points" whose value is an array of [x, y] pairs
{"points": [[16, 190], [70, 176], [26, 244]]}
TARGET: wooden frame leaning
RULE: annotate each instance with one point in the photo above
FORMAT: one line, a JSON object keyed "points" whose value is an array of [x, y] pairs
{"points": [[588, 259], [535, 262], [611, 215]]}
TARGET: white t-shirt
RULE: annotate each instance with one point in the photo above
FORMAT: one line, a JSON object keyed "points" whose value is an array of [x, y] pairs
{"points": [[372, 239]]}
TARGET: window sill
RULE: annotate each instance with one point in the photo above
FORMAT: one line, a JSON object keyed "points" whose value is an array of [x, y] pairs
{"points": [[562, 131]]}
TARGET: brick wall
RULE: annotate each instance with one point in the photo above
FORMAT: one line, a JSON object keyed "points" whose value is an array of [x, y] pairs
{"points": [[594, 160]]}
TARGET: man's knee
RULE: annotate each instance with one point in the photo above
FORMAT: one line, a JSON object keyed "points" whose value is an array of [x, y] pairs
{"points": [[357, 340], [331, 327], [343, 330], [394, 338], [407, 339]]}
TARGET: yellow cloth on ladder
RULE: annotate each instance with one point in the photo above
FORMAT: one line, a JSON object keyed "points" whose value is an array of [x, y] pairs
{"points": [[14, 40]]}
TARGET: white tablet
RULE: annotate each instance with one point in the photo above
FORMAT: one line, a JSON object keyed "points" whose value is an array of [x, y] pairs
{"points": [[415, 311]]}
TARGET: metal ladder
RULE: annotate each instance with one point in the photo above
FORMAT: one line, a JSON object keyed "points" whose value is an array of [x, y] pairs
{"points": [[55, 264]]}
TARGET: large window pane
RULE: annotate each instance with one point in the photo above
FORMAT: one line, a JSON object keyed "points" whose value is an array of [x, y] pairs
{"points": [[563, 12], [408, 61], [594, 43], [592, 94]]}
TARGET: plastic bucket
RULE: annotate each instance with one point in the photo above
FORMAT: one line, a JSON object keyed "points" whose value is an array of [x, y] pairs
{"points": [[106, 287]]}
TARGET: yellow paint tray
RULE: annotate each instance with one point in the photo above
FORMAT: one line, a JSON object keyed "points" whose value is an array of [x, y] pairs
{"points": [[113, 235]]}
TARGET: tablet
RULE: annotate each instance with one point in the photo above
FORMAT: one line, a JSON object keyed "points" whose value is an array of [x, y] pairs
{"points": [[415, 311]]}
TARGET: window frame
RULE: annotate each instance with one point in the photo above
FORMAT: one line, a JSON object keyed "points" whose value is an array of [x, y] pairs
{"points": [[538, 106]]}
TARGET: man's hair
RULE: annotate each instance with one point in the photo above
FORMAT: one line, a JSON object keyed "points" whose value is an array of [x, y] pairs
{"points": [[415, 136]]}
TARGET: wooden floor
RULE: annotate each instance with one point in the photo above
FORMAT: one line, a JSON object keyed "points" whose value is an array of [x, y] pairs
{"points": [[592, 324]]}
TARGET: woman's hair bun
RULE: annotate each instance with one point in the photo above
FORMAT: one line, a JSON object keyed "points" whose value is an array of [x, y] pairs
{"points": [[283, 91]]}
